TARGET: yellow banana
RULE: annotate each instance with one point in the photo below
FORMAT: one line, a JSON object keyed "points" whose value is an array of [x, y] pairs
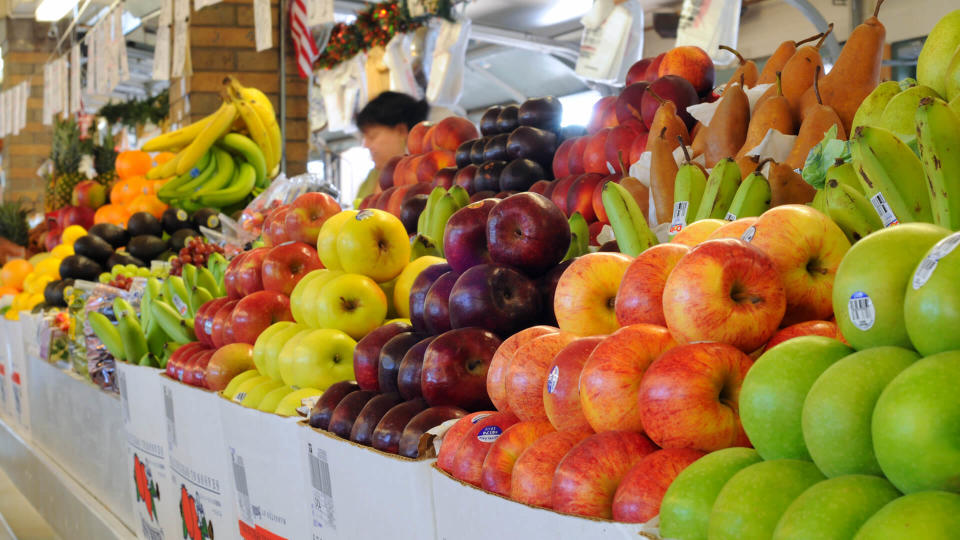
{"points": [[752, 198], [688, 190], [166, 170], [891, 175], [629, 224], [258, 132], [938, 135], [177, 139], [107, 333], [849, 209], [264, 109], [211, 132], [421, 246]]}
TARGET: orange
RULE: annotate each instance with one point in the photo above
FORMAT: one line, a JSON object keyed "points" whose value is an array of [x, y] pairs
{"points": [[133, 163], [14, 272], [112, 213], [163, 157], [147, 203], [5, 290], [128, 189]]}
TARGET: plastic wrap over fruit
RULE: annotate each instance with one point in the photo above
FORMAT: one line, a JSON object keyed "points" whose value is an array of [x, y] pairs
{"points": [[282, 191]]}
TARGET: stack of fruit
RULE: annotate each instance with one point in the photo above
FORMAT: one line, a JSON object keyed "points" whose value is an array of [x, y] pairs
{"points": [[215, 166]]}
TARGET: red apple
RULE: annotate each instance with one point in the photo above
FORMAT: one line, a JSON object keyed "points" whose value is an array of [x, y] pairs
{"points": [[183, 352], [89, 194], [588, 476], [498, 465], [595, 154], [453, 131], [323, 409], [451, 440], [256, 312], [692, 63], [561, 159], [346, 412], [640, 298], [806, 328], [465, 237], [417, 137], [230, 284], [611, 378], [464, 178], [203, 321], [494, 297], [391, 354], [561, 187], [366, 422], [195, 372], [285, 265], [733, 229], [603, 110], [221, 319], [444, 177], [274, 228], [497, 373], [575, 164], [226, 363], [727, 291], [366, 355], [525, 378], [455, 366], [473, 449], [528, 232], [638, 497], [387, 433], [307, 214], [249, 274], [408, 373], [561, 389], [76, 215], [418, 294], [689, 397], [531, 480], [412, 438], [540, 186]]}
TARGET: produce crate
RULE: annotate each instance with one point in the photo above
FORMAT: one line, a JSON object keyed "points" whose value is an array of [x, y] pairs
{"points": [[360, 492], [464, 512], [8, 331]]}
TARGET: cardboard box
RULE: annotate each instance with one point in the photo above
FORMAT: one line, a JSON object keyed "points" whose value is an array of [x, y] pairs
{"points": [[360, 492], [147, 469], [468, 513], [271, 499], [22, 332], [7, 333]]}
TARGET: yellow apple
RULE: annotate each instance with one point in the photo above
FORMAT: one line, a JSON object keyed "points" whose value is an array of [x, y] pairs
{"points": [[278, 346], [388, 287], [374, 243], [235, 382], [272, 399], [401, 292], [260, 346], [304, 298], [258, 392], [321, 358], [586, 294], [296, 295], [327, 239], [288, 405], [352, 303]]}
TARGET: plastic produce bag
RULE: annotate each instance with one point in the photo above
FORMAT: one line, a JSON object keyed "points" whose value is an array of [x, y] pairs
{"points": [[612, 40], [399, 59], [708, 25], [283, 190], [96, 362], [449, 59]]}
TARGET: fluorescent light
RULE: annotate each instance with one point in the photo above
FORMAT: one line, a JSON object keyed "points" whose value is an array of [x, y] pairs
{"points": [[54, 10]]}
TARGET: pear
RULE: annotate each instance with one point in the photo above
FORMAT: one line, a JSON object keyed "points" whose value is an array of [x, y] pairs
{"points": [[955, 105], [951, 80], [938, 51], [871, 110], [898, 115]]}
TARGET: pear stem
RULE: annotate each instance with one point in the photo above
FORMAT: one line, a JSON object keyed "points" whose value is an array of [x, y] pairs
{"points": [[761, 164], [686, 154], [824, 36], [655, 95], [816, 84], [876, 10], [623, 164], [779, 84], [735, 53], [808, 40]]}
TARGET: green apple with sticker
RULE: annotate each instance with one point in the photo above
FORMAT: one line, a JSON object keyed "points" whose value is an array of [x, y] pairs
{"points": [[931, 307]]}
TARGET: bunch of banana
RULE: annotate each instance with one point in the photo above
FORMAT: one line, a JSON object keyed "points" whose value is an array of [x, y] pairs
{"points": [[441, 204], [630, 227], [688, 189], [579, 237], [892, 176], [721, 187], [938, 136], [752, 197]]}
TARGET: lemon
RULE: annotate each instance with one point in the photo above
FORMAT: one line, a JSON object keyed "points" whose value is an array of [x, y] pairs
{"points": [[35, 283], [32, 301], [48, 267], [71, 233], [62, 251], [36, 259]]}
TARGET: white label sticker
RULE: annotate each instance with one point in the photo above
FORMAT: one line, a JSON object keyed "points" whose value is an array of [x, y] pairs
{"points": [[883, 210], [861, 310], [208, 326], [552, 379], [730, 217], [478, 418], [929, 263], [181, 306], [489, 434], [748, 234], [679, 216], [239, 397]]}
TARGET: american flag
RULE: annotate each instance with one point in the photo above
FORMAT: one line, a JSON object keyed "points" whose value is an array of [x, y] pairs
{"points": [[307, 51]]}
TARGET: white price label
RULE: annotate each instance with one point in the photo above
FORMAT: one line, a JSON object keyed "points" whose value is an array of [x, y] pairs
{"points": [[861, 311], [552, 379], [679, 216], [883, 210], [730, 217], [748, 234], [929, 263]]}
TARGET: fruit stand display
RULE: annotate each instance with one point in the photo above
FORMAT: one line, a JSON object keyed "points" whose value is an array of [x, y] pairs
{"points": [[723, 309]]}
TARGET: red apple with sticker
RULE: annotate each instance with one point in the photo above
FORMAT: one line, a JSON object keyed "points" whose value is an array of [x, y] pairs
{"points": [[525, 378], [500, 364], [454, 436], [561, 389], [498, 465], [473, 449]]}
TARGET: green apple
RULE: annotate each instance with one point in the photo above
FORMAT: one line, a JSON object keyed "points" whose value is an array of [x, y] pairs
{"points": [[287, 350], [751, 503], [931, 307], [685, 508], [916, 426], [838, 408], [321, 358], [327, 239], [311, 293], [931, 515], [273, 347], [353, 303], [834, 509], [871, 280], [771, 398], [260, 346], [373, 243]]}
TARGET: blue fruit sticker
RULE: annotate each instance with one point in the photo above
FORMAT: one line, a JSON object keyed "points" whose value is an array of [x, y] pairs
{"points": [[489, 434]]}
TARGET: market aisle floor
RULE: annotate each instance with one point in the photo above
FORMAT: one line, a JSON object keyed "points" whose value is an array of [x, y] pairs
{"points": [[19, 520]]}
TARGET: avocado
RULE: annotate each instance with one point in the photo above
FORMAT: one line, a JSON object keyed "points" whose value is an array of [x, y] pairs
{"points": [[179, 238], [146, 247], [165, 256], [53, 292], [122, 257], [174, 219], [80, 267], [206, 217], [114, 235], [93, 247], [143, 223]]}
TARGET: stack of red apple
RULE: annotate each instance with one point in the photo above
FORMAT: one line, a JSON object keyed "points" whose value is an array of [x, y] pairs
{"points": [[643, 374]]}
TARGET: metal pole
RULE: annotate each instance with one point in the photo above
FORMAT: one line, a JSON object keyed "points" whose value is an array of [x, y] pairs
{"points": [[283, 85]]}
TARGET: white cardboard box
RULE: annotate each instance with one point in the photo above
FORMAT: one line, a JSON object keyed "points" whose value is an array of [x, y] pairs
{"points": [[154, 499], [201, 471], [467, 513], [24, 331], [359, 492], [7, 335], [271, 499]]}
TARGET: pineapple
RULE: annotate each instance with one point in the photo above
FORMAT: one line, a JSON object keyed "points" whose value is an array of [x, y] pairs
{"points": [[13, 222], [65, 153], [104, 159]]}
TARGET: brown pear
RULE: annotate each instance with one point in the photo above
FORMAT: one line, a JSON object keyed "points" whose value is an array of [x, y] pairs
{"points": [[727, 130], [787, 186], [666, 117], [799, 72], [663, 175], [817, 120], [779, 59], [699, 135], [773, 113], [747, 165], [855, 73], [746, 71]]}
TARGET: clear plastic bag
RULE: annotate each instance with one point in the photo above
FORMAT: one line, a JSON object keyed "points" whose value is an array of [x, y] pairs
{"points": [[282, 191], [96, 362], [449, 61]]}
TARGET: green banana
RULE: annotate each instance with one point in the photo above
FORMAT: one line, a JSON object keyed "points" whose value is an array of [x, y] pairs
{"points": [[870, 111], [169, 189], [134, 342], [849, 209], [146, 321], [819, 202], [938, 134], [208, 281], [752, 198], [721, 187], [445, 207], [149, 360], [217, 265], [156, 339], [688, 190], [121, 306], [175, 326], [220, 175], [107, 333], [629, 225], [843, 172], [239, 188], [189, 275], [177, 295], [200, 296], [421, 246], [244, 147], [460, 194], [579, 237], [423, 223], [892, 176]]}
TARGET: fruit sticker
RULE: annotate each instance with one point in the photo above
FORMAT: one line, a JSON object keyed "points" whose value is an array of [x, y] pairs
{"points": [[679, 216], [193, 519], [552, 379], [883, 210], [749, 234], [147, 490], [861, 310], [929, 263], [489, 434]]}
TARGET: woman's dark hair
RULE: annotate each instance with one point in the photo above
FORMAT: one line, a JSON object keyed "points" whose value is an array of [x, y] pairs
{"points": [[392, 109]]}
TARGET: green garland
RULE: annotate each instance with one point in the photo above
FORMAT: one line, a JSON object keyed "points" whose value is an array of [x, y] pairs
{"points": [[138, 112]]}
